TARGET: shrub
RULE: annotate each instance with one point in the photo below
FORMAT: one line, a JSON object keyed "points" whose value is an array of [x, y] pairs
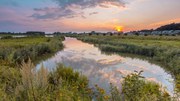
{"points": [[125, 34], [135, 88], [4, 53], [137, 34], [20, 55], [90, 34], [7, 37], [63, 75]]}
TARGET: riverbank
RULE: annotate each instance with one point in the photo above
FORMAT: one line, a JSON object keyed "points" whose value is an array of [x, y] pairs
{"points": [[15, 50], [165, 50]]}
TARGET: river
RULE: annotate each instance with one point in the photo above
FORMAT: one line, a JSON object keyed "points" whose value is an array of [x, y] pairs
{"points": [[102, 69]]}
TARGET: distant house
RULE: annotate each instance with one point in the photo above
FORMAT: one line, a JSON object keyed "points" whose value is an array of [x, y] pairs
{"points": [[35, 33]]}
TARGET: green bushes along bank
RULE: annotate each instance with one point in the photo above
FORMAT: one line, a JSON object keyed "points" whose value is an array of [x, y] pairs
{"points": [[63, 84]]}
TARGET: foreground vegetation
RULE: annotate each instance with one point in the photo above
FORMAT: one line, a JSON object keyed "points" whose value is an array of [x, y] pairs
{"points": [[163, 49], [63, 84]]}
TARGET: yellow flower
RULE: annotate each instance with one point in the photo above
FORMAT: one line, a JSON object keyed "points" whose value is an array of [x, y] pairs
{"points": [[106, 97], [102, 91], [61, 94]]}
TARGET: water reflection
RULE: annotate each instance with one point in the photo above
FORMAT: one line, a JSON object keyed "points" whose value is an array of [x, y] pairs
{"points": [[103, 69]]}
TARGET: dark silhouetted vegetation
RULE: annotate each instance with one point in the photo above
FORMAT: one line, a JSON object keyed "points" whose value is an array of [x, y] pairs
{"points": [[173, 26]]}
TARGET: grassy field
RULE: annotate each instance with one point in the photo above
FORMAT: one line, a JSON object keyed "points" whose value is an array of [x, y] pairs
{"points": [[162, 41], [22, 42], [15, 50]]}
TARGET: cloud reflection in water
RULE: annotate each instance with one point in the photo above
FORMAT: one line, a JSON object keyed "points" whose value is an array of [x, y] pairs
{"points": [[103, 69]]}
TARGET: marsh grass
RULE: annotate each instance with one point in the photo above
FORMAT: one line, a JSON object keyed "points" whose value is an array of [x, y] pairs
{"points": [[165, 49], [17, 50], [34, 83]]}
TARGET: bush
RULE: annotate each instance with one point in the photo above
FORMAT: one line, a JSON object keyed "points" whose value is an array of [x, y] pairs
{"points": [[137, 34], [63, 75], [21, 54], [4, 53], [7, 37], [135, 88]]}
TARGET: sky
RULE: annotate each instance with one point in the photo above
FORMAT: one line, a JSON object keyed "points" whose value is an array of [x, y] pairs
{"points": [[86, 15]]}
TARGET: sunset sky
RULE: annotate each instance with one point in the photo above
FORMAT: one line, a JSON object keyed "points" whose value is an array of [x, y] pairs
{"points": [[86, 15]]}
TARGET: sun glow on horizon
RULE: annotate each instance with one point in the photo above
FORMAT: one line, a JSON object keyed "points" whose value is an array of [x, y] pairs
{"points": [[119, 28]]}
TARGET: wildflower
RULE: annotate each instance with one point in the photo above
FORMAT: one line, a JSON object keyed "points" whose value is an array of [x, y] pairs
{"points": [[106, 97], [102, 91]]}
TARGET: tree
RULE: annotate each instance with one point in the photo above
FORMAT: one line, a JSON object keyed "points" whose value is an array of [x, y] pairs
{"points": [[137, 33]]}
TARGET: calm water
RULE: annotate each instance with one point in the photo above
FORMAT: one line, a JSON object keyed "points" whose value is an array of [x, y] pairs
{"points": [[103, 69]]}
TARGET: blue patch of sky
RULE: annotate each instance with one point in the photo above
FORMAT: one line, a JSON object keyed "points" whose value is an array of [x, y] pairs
{"points": [[26, 4]]}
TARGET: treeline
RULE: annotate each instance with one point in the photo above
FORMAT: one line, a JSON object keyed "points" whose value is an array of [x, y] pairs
{"points": [[63, 84], [173, 26], [29, 33], [12, 33]]}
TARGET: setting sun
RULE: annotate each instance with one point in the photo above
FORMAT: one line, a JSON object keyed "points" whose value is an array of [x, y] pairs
{"points": [[119, 28]]}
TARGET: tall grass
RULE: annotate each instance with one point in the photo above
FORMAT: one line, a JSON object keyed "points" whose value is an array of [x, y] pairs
{"points": [[34, 83], [62, 84], [16, 52]]}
